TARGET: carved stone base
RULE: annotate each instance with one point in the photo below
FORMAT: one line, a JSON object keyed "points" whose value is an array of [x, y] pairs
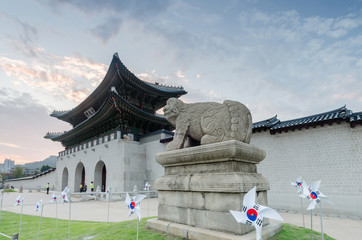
{"points": [[201, 184], [189, 232]]}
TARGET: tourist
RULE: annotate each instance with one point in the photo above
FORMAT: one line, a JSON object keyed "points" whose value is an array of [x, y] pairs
{"points": [[85, 187], [92, 186], [81, 188], [47, 188]]}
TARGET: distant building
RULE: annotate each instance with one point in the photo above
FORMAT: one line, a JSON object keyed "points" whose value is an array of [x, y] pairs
{"points": [[8, 166]]}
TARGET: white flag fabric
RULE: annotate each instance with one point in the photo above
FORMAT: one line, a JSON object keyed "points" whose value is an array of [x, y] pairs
{"points": [[108, 192], [253, 214], [19, 201], [313, 194], [65, 195], [147, 186], [133, 204], [54, 198], [298, 184], [39, 205]]}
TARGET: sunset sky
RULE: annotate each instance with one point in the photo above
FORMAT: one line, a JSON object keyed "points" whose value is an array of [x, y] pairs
{"points": [[280, 57]]}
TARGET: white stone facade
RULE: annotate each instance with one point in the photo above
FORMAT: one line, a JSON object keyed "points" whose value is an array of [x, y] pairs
{"points": [[331, 153], [127, 163]]}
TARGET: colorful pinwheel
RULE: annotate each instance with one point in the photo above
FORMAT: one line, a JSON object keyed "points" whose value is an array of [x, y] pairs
{"points": [[134, 204], [313, 194], [19, 201], [253, 214]]}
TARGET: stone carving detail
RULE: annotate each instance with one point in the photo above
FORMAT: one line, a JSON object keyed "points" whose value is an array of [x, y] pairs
{"points": [[207, 122]]}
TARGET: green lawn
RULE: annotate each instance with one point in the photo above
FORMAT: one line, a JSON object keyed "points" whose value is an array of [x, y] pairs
{"points": [[81, 230], [292, 232]]}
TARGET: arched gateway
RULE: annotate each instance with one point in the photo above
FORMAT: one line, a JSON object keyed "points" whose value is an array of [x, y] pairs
{"points": [[65, 178], [100, 175], [79, 177]]}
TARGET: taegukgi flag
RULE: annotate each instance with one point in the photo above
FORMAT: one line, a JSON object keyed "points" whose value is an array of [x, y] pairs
{"points": [[133, 204], [313, 194], [54, 198], [39, 205], [147, 186], [299, 184], [65, 195], [253, 214], [19, 201]]}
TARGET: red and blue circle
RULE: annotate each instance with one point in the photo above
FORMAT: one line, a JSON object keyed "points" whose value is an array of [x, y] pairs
{"points": [[252, 214], [132, 205], [299, 184], [313, 195]]}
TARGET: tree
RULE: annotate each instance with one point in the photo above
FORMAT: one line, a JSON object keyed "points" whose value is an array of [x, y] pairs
{"points": [[18, 173], [44, 168]]}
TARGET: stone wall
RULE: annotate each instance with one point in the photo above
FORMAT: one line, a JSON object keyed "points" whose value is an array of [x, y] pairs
{"points": [[330, 153], [32, 183]]}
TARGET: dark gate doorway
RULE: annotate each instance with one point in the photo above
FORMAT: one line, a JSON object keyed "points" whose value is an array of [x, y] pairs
{"points": [[104, 176]]}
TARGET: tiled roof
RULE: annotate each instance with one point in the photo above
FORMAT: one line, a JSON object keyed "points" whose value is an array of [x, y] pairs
{"points": [[338, 115], [266, 124]]}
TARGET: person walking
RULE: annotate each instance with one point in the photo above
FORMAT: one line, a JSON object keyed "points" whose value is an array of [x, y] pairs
{"points": [[47, 187], [81, 187]]}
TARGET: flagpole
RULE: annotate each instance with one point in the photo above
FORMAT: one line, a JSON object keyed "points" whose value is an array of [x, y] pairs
{"points": [[70, 203], [41, 214], [320, 206], [1, 205], [148, 200], [301, 202], [56, 212], [108, 209], [138, 223], [21, 216], [311, 224]]}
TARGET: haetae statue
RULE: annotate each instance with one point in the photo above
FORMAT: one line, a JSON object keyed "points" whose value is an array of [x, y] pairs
{"points": [[207, 122]]}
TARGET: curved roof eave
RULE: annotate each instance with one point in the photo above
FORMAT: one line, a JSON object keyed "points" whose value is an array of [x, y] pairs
{"points": [[107, 110], [111, 79]]}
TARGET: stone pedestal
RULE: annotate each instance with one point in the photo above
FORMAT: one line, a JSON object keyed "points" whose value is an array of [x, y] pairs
{"points": [[201, 184]]}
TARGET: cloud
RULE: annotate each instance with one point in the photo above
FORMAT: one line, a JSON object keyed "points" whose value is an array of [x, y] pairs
{"points": [[24, 127], [23, 37], [107, 30], [69, 77], [114, 13], [12, 145]]}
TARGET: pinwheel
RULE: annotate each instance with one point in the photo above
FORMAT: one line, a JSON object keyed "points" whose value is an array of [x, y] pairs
{"points": [[64, 195], [147, 186], [253, 214], [54, 198], [39, 205], [313, 194], [19, 201], [299, 184], [134, 204], [108, 192]]}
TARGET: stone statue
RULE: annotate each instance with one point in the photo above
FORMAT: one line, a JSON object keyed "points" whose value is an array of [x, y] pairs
{"points": [[207, 122]]}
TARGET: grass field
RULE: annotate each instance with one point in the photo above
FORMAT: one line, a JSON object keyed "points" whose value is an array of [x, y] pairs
{"points": [[81, 230]]}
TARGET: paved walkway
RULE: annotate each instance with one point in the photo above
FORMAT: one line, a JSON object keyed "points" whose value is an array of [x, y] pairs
{"points": [[337, 228]]}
